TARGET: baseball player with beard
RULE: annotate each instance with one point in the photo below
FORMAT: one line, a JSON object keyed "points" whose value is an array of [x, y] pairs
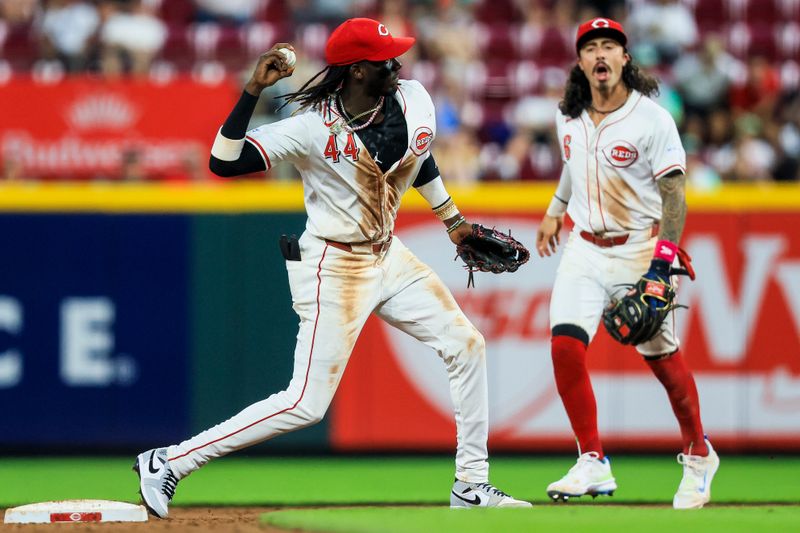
{"points": [[622, 185], [361, 141]]}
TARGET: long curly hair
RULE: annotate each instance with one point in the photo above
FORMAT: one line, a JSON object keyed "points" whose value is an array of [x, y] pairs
{"points": [[578, 95], [314, 95]]}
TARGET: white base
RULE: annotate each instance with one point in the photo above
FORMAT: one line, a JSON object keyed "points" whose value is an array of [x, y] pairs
{"points": [[76, 511]]}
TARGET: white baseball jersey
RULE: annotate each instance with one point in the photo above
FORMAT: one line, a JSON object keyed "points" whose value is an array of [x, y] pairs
{"points": [[614, 166], [347, 196], [334, 290]]}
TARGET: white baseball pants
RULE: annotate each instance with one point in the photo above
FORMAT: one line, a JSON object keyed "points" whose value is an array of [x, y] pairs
{"points": [[334, 292], [589, 277]]}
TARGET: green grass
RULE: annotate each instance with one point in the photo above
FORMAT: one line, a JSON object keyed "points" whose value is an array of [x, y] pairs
{"points": [[596, 519], [294, 481]]}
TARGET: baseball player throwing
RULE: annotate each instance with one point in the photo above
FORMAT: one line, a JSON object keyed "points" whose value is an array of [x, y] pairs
{"points": [[622, 184], [362, 141]]}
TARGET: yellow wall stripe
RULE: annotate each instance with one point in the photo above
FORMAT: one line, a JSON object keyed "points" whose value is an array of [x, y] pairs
{"points": [[250, 196]]}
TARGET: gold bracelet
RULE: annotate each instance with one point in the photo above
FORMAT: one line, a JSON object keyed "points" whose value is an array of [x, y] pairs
{"points": [[446, 210]]}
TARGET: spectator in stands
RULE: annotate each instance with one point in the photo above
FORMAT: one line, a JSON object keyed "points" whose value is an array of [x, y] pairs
{"points": [[16, 12], [666, 25], [237, 12], [788, 139], [755, 156], [760, 91], [130, 38], [703, 78], [67, 31]]}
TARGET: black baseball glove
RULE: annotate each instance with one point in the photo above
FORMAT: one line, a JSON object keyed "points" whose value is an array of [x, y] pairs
{"points": [[637, 317], [489, 250]]}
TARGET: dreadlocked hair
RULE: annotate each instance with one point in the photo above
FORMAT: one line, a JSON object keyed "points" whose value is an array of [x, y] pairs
{"points": [[314, 95], [578, 95]]}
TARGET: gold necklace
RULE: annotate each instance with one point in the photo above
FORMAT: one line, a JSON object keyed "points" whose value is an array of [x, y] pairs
{"points": [[336, 128]]}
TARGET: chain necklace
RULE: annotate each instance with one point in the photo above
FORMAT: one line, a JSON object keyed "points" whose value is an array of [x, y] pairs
{"points": [[337, 127], [593, 108]]}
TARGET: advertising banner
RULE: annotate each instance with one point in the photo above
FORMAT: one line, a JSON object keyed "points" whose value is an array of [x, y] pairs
{"points": [[92, 128], [740, 335], [93, 330]]}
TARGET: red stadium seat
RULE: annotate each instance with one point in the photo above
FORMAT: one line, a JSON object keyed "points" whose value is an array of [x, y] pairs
{"points": [[177, 50], [555, 48], [762, 12], [231, 48], [789, 10], [274, 12], [20, 47], [711, 15], [177, 12], [763, 42], [496, 11], [498, 41]]}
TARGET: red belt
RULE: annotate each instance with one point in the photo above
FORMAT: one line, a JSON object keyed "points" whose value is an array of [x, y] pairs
{"points": [[376, 247], [608, 242]]}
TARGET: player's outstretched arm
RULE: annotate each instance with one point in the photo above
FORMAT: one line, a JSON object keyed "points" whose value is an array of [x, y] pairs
{"points": [[230, 154]]}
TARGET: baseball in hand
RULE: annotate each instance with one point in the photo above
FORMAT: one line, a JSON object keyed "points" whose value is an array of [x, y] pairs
{"points": [[290, 56]]}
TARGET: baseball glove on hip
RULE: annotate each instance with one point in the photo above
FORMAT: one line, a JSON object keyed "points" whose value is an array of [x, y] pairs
{"points": [[637, 317], [489, 250]]}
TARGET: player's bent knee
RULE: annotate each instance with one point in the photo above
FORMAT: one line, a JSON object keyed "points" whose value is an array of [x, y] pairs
{"points": [[311, 415], [476, 344], [571, 330]]}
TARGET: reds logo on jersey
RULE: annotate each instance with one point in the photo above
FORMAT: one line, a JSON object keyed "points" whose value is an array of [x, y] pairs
{"points": [[567, 140], [621, 154], [421, 140]]}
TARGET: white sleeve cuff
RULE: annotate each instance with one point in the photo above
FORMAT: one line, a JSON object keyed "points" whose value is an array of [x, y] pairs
{"points": [[434, 192], [557, 207], [226, 149]]}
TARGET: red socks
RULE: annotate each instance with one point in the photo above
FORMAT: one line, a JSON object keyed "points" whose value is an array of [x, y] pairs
{"points": [[575, 388], [682, 391], [572, 381]]}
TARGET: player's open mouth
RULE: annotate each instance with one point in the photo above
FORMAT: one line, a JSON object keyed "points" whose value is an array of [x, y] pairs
{"points": [[601, 71]]}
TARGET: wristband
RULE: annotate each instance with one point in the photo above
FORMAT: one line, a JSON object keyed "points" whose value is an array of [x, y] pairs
{"points": [[557, 207], [446, 210], [226, 149], [666, 250]]}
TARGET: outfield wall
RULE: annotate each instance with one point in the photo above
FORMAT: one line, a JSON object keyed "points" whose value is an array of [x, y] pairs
{"points": [[133, 315]]}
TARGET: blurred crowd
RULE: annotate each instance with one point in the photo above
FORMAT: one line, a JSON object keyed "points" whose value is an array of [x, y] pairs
{"points": [[729, 69]]}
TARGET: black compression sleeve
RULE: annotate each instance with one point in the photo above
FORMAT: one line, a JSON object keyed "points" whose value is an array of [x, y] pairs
{"points": [[235, 125], [249, 161], [427, 172]]}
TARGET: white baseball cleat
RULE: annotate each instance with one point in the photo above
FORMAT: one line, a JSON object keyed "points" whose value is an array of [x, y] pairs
{"points": [[469, 495], [157, 482], [590, 475], [698, 472]]}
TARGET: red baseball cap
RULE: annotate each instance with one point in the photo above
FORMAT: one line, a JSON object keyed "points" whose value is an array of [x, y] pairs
{"points": [[363, 39], [600, 27]]}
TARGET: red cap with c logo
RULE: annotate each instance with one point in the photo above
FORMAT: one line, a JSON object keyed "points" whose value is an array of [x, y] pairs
{"points": [[363, 39], [600, 27]]}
